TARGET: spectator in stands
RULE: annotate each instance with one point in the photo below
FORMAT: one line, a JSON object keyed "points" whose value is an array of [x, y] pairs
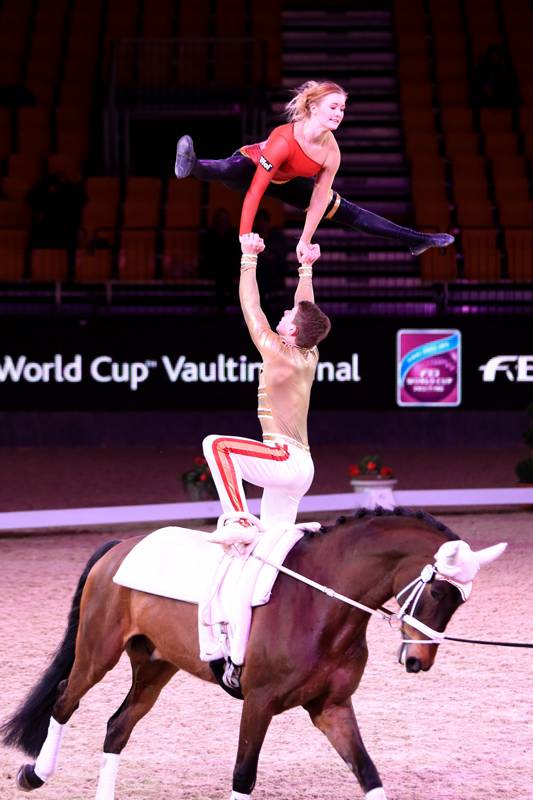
{"points": [[272, 262], [220, 257], [56, 205], [297, 164], [495, 82]]}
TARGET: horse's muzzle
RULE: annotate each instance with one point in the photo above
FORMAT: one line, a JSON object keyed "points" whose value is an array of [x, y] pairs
{"points": [[413, 662]]}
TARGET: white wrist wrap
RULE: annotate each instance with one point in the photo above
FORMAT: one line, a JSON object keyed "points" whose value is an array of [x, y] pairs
{"points": [[248, 261]]}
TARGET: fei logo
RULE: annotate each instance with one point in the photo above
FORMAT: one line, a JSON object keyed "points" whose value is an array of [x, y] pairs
{"points": [[513, 368], [428, 368]]}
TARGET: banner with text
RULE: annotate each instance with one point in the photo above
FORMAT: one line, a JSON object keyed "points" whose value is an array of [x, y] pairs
{"points": [[150, 364]]}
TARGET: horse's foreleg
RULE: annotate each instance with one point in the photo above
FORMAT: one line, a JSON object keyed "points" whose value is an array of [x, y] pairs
{"points": [[149, 677], [337, 721], [255, 719]]}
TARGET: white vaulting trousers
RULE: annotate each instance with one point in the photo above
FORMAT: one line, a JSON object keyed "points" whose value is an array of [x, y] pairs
{"points": [[284, 470]]}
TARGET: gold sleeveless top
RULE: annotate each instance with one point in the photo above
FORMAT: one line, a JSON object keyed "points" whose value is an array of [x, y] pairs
{"points": [[284, 389]]}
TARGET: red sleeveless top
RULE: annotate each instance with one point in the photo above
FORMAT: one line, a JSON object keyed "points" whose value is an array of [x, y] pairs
{"points": [[279, 159]]}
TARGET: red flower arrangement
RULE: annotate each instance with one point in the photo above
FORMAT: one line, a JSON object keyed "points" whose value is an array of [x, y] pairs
{"points": [[199, 477], [370, 468]]}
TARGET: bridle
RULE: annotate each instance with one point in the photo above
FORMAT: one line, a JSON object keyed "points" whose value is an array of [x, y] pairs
{"points": [[407, 610]]}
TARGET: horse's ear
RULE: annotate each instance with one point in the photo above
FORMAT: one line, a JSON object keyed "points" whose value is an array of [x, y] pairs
{"points": [[489, 554], [449, 552]]}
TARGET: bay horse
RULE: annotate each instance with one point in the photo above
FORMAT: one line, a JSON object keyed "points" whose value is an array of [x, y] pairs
{"points": [[305, 648]]}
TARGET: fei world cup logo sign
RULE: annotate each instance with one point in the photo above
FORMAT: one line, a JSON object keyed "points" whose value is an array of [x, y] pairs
{"points": [[428, 364]]}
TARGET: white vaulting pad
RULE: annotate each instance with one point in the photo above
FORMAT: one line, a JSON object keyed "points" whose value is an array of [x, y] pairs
{"points": [[171, 562], [181, 564]]}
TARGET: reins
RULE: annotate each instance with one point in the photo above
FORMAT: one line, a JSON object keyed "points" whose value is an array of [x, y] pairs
{"points": [[416, 586], [482, 641], [384, 614]]}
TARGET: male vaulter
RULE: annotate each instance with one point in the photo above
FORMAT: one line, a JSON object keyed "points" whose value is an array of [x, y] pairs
{"points": [[281, 464]]}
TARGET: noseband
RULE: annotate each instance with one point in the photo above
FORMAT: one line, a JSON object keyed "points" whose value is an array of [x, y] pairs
{"points": [[407, 610]]}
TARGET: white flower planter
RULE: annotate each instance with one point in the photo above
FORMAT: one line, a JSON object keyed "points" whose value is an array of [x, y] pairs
{"points": [[374, 492]]}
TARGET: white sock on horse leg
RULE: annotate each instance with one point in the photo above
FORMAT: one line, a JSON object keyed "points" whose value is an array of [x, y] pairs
{"points": [[108, 775], [46, 763], [376, 794], [239, 796]]}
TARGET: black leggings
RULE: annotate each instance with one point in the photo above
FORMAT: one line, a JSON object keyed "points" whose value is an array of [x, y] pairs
{"points": [[237, 171]]}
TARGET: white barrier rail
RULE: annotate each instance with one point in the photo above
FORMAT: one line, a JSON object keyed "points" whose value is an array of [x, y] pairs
{"points": [[210, 509]]}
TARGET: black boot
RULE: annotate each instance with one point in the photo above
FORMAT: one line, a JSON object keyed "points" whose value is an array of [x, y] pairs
{"points": [[360, 219], [185, 157]]}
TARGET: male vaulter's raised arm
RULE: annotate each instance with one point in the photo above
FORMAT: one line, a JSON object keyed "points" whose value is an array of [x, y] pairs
{"points": [[256, 321], [304, 290]]}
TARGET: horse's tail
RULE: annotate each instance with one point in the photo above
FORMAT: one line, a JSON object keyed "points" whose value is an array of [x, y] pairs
{"points": [[28, 727]]}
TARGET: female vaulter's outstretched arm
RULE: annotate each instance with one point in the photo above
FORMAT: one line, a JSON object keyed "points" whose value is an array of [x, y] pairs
{"points": [[297, 164]]}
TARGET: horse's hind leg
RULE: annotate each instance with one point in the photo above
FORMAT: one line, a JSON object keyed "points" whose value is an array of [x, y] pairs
{"points": [[148, 679], [91, 663], [337, 721]]}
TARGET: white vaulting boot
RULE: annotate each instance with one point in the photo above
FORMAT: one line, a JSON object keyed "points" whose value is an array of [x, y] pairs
{"points": [[240, 796], [232, 675], [236, 528]]}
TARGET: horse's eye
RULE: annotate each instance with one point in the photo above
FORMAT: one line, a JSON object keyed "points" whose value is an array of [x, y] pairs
{"points": [[437, 593]]}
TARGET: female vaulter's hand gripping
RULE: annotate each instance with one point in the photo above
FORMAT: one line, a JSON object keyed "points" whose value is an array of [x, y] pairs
{"points": [[251, 244], [310, 254]]}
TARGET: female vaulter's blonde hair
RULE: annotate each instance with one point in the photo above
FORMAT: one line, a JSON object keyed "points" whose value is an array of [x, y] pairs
{"points": [[308, 93]]}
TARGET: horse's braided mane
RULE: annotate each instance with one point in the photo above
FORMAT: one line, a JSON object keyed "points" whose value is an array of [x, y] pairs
{"points": [[399, 511]]}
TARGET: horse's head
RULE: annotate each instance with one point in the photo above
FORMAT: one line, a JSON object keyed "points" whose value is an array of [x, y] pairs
{"points": [[428, 602]]}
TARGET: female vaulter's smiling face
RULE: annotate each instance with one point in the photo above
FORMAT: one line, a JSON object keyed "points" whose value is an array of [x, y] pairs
{"points": [[329, 111]]}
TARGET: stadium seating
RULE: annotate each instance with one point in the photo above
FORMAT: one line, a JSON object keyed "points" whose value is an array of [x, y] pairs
{"points": [[13, 243], [481, 255], [519, 253]]}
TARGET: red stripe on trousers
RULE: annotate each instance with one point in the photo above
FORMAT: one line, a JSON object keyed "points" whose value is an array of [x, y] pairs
{"points": [[222, 451]]}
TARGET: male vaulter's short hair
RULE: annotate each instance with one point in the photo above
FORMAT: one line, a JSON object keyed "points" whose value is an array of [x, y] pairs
{"points": [[313, 325]]}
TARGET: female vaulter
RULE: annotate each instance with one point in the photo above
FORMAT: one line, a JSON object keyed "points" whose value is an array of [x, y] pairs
{"points": [[297, 164]]}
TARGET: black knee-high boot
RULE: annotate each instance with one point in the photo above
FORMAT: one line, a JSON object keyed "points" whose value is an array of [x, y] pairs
{"points": [[236, 171], [360, 219]]}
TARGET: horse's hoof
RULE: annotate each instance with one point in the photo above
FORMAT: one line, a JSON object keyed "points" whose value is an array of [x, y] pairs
{"points": [[27, 780]]}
